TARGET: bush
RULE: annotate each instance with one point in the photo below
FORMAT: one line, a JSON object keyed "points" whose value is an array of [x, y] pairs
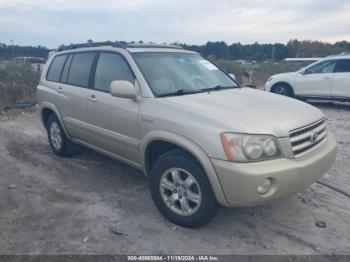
{"points": [[18, 84]]}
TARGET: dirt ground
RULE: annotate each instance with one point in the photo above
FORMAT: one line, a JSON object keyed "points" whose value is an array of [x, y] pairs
{"points": [[90, 204]]}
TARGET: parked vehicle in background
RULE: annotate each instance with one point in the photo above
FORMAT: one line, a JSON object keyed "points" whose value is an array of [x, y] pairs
{"points": [[328, 78], [37, 62], [3, 63], [201, 140]]}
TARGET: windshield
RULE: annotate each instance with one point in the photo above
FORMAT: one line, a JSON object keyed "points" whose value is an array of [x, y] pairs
{"points": [[181, 73], [309, 65]]}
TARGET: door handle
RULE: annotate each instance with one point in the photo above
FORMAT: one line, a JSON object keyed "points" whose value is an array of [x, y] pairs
{"points": [[326, 78], [92, 98], [59, 90]]}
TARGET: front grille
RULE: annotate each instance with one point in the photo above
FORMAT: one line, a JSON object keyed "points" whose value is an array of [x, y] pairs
{"points": [[304, 139]]}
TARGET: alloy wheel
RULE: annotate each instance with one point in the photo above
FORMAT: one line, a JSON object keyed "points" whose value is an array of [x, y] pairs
{"points": [[56, 136], [180, 191]]}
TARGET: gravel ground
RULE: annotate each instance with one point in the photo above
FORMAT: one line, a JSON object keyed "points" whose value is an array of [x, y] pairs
{"points": [[90, 204]]}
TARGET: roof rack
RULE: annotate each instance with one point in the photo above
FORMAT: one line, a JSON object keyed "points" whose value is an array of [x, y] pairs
{"points": [[96, 44], [152, 45], [116, 44]]}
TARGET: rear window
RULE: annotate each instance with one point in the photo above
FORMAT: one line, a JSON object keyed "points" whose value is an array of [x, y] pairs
{"points": [[80, 69], [55, 69]]}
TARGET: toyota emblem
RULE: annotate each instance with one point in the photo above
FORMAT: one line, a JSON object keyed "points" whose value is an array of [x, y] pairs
{"points": [[313, 137]]}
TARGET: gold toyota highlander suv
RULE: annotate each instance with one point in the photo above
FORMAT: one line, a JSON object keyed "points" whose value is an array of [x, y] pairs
{"points": [[201, 140]]}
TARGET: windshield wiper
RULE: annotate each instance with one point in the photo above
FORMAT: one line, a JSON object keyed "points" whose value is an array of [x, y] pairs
{"points": [[179, 92], [216, 88]]}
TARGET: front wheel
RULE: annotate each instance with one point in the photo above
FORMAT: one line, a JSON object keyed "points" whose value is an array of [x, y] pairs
{"points": [[283, 89], [181, 190]]}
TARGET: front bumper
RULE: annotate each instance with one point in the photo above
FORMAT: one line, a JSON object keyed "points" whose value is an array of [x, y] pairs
{"points": [[240, 181], [268, 85]]}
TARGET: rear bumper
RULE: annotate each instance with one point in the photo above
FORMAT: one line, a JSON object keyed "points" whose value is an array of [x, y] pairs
{"points": [[240, 181]]}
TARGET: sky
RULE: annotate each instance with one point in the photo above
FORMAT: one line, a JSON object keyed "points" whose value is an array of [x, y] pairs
{"points": [[54, 22]]}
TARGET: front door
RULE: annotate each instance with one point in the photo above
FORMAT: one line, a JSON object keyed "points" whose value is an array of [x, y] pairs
{"points": [[316, 81], [113, 121]]}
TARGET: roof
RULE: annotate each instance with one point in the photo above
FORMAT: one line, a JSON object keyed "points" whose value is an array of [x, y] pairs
{"points": [[341, 55], [302, 59]]}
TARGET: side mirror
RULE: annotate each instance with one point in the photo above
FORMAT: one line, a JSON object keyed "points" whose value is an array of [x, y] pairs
{"points": [[123, 89], [303, 72], [232, 76]]}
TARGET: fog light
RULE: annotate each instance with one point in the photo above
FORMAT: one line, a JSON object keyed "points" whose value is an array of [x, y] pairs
{"points": [[265, 186]]}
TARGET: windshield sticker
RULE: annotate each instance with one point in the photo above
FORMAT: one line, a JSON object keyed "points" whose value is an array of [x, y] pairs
{"points": [[208, 65]]}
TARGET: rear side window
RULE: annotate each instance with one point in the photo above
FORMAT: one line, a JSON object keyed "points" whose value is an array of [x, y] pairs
{"points": [[66, 69], [111, 67], [80, 69], [55, 69], [343, 66]]}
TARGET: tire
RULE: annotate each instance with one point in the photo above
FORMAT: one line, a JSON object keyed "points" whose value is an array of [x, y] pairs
{"points": [[58, 140], [283, 89], [189, 204]]}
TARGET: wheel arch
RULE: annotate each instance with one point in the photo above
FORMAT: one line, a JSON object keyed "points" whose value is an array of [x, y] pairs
{"points": [[282, 83], [46, 110], [179, 141]]}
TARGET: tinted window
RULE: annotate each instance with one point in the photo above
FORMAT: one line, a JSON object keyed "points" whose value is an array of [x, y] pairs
{"points": [[111, 67], [55, 69], [343, 66], [80, 69], [322, 68], [65, 69]]}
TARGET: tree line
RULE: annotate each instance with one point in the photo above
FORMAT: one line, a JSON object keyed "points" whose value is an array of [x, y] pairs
{"points": [[275, 52], [10, 51], [222, 50]]}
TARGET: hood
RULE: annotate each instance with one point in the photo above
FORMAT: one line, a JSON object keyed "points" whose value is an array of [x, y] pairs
{"points": [[286, 75], [253, 111]]}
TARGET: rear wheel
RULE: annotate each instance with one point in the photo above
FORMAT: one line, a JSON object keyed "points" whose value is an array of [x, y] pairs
{"points": [[59, 142], [181, 190], [283, 89]]}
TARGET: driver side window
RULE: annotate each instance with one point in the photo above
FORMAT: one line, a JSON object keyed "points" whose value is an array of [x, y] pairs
{"points": [[322, 68], [111, 67]]}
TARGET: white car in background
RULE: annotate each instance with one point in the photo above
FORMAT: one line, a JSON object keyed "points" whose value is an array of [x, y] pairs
{"points": [[328, 78], [36, 62]]}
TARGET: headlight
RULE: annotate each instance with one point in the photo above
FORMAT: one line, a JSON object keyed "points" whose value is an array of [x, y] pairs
{"points": [[269, 79], [246, 148]]}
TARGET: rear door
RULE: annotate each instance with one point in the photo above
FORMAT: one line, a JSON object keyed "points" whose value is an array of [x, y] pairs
{"points": [[53, 77], [341, 80], [73, 87], [113, 121], [316, 81]]}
